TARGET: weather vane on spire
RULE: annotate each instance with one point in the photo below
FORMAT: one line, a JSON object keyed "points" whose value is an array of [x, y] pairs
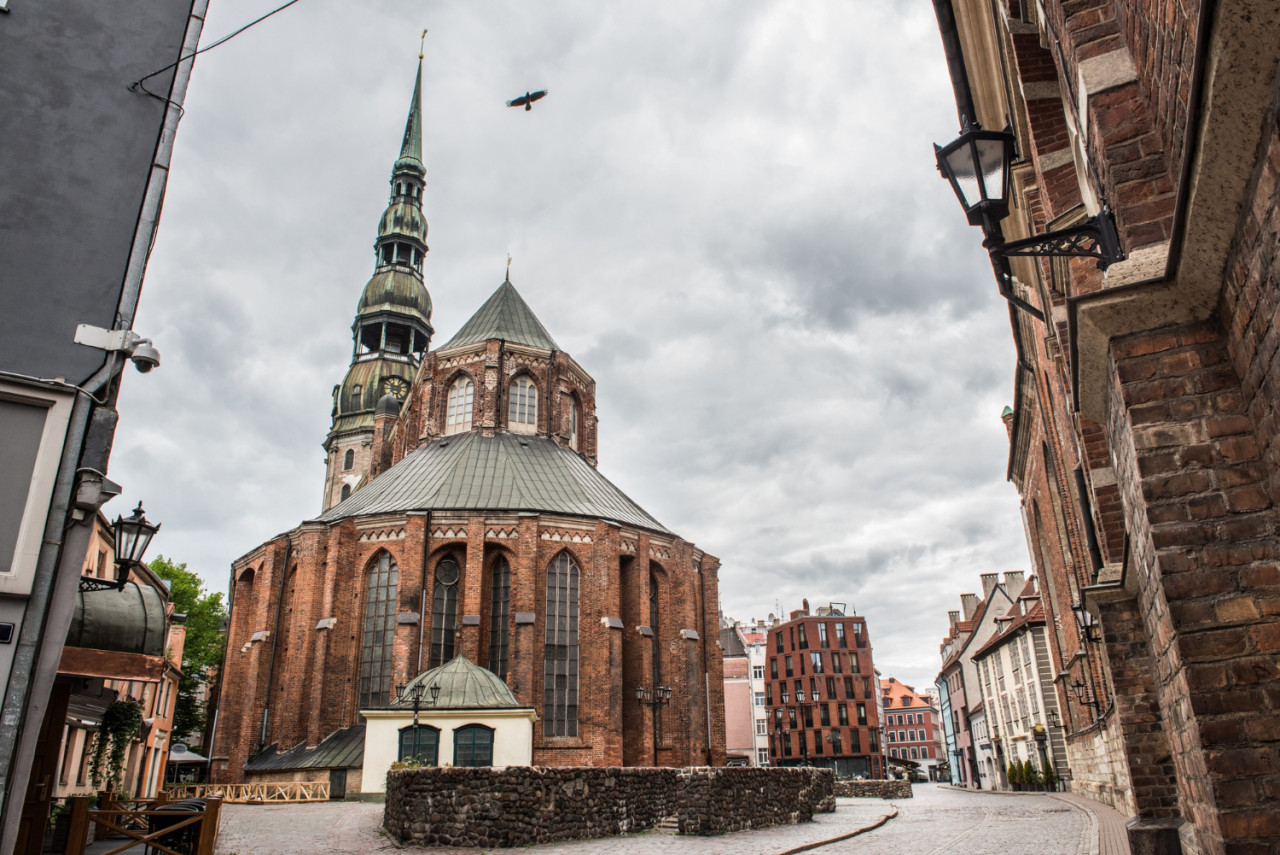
{"points": [[508, 267], [422, 44]]}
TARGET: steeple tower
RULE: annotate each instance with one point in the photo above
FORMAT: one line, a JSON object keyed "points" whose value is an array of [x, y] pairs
{"points": [[392, 328]]}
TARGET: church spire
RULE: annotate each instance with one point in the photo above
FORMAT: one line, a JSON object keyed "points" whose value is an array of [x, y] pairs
{"points": [[411, 148], [392, 328]]}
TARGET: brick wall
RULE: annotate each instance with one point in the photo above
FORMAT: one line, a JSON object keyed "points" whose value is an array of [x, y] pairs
{"points": [[1203, 530], [317, 640], [523, 805]]}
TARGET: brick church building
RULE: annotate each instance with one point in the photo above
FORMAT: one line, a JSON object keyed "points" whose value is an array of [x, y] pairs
{"points": [[463, 514]]}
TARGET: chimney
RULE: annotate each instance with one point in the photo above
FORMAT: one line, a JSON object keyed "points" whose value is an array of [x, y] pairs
{"points": [[1014, 582], [969, 605], [1007, 418], [804, 605], [953, 618], [989, 582]]}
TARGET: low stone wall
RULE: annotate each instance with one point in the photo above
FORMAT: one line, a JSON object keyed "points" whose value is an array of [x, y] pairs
{"points": [[723, 799], [526, 805], [873, 789]]}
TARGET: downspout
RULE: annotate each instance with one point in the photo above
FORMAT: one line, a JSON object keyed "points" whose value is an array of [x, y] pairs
{"points": [[955, 61], [222, 670], [422, 609], [706, 671], [275, 639]]}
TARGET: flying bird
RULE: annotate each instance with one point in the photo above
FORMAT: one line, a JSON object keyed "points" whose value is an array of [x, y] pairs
{"points": [[526, 100]]}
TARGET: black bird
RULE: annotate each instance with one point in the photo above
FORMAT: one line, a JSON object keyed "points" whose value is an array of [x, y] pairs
{"points": [[526, 100]]}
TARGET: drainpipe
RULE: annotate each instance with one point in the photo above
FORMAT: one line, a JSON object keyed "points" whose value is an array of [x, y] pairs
{"points": [[275, 638], [422, 609]]}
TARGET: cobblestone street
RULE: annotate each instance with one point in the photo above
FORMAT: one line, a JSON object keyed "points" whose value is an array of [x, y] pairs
{"points": [[938, 820]]}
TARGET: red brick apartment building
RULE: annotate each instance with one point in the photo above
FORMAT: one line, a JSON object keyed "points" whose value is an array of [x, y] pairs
{"points": [[820, 690], [911, 727], [1144, 438]]}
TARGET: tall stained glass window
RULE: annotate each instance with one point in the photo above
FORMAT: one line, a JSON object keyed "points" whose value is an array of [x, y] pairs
{"points": [[444, 612], [499, 615], [379, 632], [560, 657]]}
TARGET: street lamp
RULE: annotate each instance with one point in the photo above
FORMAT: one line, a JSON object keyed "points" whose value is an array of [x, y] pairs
{"points": [[1085, 697], [415, 695], [1086, 621], [654, 697], [977, 165], [132, 536]]}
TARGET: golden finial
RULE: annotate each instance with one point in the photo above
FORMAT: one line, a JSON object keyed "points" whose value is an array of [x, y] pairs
{"points": [[422, 44]]}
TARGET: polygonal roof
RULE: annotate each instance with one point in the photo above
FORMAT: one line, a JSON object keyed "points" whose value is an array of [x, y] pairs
{"points": [[463, 686], [505, 316], [503, 472]]}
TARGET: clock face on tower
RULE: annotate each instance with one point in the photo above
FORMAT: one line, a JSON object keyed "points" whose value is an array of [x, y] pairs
{"points": [[396, 387]]}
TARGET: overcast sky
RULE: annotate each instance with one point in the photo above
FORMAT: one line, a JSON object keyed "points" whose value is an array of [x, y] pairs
{"points": [[727, 212]]}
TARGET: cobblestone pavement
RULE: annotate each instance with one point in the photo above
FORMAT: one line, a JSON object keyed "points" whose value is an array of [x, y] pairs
{"points": [[937, 821]]}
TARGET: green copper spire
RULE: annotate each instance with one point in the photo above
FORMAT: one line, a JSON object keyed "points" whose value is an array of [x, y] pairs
{"points": [[411, 149]]}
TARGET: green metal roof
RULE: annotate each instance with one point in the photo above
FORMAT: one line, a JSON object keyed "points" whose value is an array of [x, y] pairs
{"points": [[503, 472], [506, 316], [463, 686], [342, 749], [411, 148]]}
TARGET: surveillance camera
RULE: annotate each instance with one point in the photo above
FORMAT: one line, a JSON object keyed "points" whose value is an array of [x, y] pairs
{"points": [[144, 356]]}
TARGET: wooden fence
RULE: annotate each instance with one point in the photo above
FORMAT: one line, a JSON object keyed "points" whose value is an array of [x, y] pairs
{"points": [[268, 793], [135, 820]]}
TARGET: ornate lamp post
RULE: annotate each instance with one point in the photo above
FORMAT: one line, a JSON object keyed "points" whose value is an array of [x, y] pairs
{"points": [[977, 165], [132, 535], [415, 695], [654, 698], [1085, 697]]}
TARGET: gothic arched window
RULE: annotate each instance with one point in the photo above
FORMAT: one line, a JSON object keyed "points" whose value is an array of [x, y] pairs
{"points": [[346, 491], [574, 418], [444, 612], [499, 614], [458, 409], [379, 631], [560, 656], [522, 412], [348, 460]]}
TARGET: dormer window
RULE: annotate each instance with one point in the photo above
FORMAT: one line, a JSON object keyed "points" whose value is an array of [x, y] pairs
{"points": [[522, 413], [355, 396], [458, 407]]}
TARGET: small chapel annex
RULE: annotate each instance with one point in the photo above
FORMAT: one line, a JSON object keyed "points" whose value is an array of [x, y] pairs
{"points": [[463, 515]]}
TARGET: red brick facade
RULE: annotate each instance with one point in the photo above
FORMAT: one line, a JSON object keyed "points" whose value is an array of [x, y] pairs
{"points": [[820, 690], [1144, 433], [331, 616]]}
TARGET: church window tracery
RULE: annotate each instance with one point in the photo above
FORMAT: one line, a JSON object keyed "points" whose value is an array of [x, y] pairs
{"points": [[560, 658], [444, 612], [459, 405], [379, 631], [522, 412], [499, 614]]}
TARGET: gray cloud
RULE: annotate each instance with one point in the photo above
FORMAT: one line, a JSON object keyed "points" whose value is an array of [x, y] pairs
{"points": [[727, 212]]}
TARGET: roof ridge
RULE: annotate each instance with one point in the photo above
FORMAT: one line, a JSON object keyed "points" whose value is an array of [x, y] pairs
{"points": [[506, 316]]}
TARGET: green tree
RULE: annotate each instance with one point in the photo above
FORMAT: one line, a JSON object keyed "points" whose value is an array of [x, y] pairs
{"points": [[1029, 773], [202, 650], [1014, 773]]}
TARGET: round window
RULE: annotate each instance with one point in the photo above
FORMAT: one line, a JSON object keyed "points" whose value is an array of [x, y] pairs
{"points": [[447, 572]]}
